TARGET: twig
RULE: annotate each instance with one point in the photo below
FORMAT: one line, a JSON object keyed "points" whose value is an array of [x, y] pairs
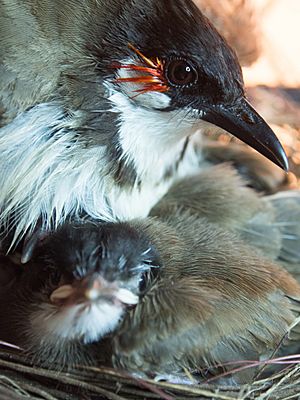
{"points": [[276, 385]]}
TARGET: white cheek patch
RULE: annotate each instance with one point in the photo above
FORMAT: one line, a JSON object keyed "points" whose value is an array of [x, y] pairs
{"points": [[78, 322], [155, 100]]}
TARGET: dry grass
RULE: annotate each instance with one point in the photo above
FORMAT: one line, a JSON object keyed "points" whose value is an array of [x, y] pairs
{"points": [[21, 380]]}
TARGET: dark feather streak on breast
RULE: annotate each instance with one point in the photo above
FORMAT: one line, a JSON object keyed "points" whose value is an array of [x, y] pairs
{"points": [[173, 168]]}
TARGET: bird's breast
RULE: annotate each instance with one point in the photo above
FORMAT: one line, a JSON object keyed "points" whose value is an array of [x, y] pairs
{"points": [[47, 172]]}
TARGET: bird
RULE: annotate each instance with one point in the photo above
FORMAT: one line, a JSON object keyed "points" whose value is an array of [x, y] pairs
{"points": [[154, 297], [232, 242], [76, 286], [103, 106], [269, 223], [215, 305]]}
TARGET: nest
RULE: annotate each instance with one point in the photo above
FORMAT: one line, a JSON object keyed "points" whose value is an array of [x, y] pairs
{"points": [[21, 380]]}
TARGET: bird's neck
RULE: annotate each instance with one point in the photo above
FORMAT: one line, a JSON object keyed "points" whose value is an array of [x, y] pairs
{"points": [[152, 141]]}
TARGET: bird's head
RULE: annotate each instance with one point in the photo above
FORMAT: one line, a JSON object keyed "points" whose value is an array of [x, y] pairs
{"points": [[169, 73], [85, 279]]}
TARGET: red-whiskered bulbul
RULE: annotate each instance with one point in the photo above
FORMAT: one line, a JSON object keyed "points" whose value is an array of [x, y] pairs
{"points": [[101, 102]]}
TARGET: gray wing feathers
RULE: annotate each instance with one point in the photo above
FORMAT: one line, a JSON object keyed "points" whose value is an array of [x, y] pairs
{"points": [[276, 229]]}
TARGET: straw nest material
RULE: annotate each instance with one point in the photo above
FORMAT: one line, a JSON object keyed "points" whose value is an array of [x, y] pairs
{"points": [[21, 380]]}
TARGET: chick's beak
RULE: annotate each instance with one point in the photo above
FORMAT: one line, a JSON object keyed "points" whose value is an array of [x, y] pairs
{"points": [[90, 289], [93, 288], [242, 121]]}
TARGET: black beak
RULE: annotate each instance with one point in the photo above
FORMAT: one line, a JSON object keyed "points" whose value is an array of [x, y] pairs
{"points": [[242, 121]]}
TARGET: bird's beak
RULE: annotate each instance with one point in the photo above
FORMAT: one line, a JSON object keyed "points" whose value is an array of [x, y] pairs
{"points": [[242, 121], [92, 288], [99, 287]]}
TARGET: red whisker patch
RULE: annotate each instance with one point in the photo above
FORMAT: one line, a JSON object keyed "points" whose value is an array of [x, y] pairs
{"points": [[152, 75]]}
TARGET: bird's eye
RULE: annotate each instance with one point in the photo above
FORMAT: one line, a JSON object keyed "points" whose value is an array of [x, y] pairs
{"points": [[143, 283], [180, 72], [147, 279]]}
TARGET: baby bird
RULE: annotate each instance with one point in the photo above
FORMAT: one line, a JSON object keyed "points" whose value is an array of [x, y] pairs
{"points": [[75, 290], [271, 224], [167, 294], [215, 302]]}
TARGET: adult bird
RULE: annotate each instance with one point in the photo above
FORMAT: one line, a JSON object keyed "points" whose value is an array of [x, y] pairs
{"points": [[100, 104]]}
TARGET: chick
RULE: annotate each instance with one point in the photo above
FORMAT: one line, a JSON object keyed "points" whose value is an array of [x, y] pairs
{"points": [[76, 288], [271, 224], [215, 301], [153, 296]]}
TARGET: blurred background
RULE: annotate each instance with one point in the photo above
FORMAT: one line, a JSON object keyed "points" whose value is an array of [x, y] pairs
{"points": [[279, 59], [266, 37]]}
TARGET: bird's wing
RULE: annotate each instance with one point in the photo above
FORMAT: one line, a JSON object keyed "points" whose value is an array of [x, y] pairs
{"points": [[29, 53], [44, 49], [190, 326], [275, 230], [287, 219], [217, 193], [269, 223]]}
